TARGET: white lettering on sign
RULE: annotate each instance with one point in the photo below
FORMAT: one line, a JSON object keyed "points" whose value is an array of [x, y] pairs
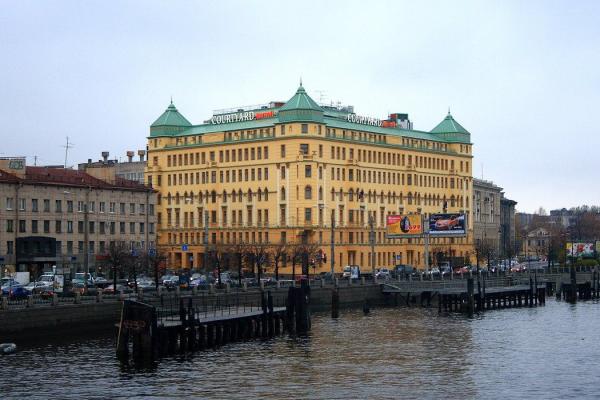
{"points": [[235, 117], [359, 119]]}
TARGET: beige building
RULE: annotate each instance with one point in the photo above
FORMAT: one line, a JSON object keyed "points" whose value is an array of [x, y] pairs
{"points": [[43, 217], [486, 214], [288, 171], [536, 243]]}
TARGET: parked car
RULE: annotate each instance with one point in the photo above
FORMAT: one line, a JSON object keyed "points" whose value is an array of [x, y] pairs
{"points": [[110, 289], [38, 287], [79, 279], [404, 270], [7, 282], [435, 271], [383, 273], [351, 272], [15, 290]]}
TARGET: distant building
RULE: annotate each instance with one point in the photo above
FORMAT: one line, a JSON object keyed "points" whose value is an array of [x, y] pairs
{"points": [[535, 244], [105, 169], [43, 217], [486, 212], [563, 217], [507, 227], [523, 219]]}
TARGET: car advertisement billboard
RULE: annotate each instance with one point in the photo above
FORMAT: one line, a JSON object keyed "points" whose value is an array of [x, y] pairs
{"points": [[575, 249], [404, 225], [447, 224]]}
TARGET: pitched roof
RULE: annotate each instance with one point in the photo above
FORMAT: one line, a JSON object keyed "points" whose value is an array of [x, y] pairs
{"points": [[71, 177], [449, 125], [301, 101], [8, 177], [171, 117]]}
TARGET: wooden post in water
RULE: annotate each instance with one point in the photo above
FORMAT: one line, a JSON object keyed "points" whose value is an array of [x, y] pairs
{"points": [[573, 288], [335, 303], [470, 296]]}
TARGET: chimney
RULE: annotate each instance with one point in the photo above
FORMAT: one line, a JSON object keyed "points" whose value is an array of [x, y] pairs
{"points": [[89, 161], [105, 156], [141, 153], [130, 156]]}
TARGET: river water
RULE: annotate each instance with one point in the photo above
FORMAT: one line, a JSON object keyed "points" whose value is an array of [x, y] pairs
{"points": [[393, 353]]}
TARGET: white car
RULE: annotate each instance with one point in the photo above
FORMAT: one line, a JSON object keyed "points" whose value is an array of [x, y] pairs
{"points": [[383, 273]]}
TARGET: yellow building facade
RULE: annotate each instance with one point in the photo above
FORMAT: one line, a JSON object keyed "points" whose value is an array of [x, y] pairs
{"points": [[287, 171]]}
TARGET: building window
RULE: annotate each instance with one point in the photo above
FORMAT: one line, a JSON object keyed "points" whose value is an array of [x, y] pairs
{"points": [[304, 148], [34, 205], [21, 204], [69, 226], [308, 215], [304, 128], [22, 225], [9, 203], [34, 226], [58, 226], [46, 205], [308, 193], [9, 225], [282, 152], [58, 206], [307, 171]]}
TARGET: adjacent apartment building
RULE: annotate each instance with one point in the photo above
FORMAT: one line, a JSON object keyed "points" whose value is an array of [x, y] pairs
{"points": [[287, 171], [54, 216]]}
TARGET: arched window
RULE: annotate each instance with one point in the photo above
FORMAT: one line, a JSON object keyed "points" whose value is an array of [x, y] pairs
{"points": [[307, 192], [249, 195], [409, 198], [320, 193], [240, 195], [233, 196], [266, 194], [213, 196], [351, 195], [169, 198], [282, 193], [341, 195], [200, 198], [177, 198], [259, 194], [381, 197], [224, 196]]}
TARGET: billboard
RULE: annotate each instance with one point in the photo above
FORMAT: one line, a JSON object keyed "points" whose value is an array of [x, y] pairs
{"points": [[404, 225], [447, 224], [575, 249]]}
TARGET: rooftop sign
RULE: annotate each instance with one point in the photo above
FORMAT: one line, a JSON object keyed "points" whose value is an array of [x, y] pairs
{"points": [[359, 119], [241, 116]]}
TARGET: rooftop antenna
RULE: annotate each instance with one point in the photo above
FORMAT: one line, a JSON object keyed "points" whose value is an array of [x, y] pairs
{"points": [[481, 171], [35, 161], [322, 96], [68, 146]]}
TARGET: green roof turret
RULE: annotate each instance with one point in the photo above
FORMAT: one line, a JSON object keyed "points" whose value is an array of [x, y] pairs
{"points": [[301, 107], [169, 123], [451, 130]]}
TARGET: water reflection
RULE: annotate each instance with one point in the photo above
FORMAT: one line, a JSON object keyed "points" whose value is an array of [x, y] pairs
{"points": [[404, 353]]}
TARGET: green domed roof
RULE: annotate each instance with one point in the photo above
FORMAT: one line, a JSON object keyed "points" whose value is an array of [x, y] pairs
{"points": [[171, 117], [449, 125], [301, 101], [301, 107]]}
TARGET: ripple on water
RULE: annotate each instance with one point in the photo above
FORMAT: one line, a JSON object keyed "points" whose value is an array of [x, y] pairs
{"points": [[545, 352]]}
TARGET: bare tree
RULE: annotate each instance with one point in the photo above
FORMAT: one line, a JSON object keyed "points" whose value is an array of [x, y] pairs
{"points": [[219, 255], [155, 259], [309, 252], [257, 254], [116, 258], [237, 251], [278, 253]]}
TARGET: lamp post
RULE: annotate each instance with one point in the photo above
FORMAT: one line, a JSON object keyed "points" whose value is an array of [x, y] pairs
{"points": [[372, 242]]}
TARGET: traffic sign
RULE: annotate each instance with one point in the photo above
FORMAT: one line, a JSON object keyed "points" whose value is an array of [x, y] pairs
{"points": [[184, 247], [152, 252]]}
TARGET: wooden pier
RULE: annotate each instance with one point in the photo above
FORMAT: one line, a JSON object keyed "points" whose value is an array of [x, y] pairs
{"points": [[147, 333]]}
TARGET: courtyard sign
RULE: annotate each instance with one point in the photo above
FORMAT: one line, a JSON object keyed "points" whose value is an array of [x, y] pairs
{"points": [[359, 119]]}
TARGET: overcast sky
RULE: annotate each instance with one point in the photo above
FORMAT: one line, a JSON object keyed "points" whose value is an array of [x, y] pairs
{"points": [[522, 77]]}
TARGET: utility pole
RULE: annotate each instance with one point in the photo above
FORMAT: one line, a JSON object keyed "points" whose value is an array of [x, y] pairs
{"points": [[67, 147], [86, 266], [332, 255], [372, 242], [205, 241], [426, 238]]}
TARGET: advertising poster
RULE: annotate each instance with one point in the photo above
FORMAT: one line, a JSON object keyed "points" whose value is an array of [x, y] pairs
{"points": [[447, 224], [404, 225], [575, 249]]}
